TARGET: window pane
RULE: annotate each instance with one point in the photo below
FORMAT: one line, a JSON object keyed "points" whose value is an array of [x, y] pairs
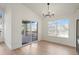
{"points": [[28, 27], [34, 26], [51, 28], [63, 28]]}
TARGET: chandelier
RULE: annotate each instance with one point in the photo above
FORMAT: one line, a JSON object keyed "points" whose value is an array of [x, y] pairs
{"points": [[49, 13]]}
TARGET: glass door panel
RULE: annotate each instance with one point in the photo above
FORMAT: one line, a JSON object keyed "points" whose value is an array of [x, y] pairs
{"points": [[34, 31], [26, 36]]}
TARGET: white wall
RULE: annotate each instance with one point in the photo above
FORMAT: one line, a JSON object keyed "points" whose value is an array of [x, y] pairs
{"points": [[8, 27], [13, 26]]}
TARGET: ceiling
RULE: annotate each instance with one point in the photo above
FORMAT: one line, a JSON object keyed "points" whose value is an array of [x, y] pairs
{"points": [[58, 8]]}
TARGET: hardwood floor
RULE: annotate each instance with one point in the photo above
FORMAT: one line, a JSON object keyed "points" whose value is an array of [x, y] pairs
{"points": [[40, 48]]}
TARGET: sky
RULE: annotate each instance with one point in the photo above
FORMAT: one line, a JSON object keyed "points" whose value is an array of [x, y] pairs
{"points": [[60, 21]]}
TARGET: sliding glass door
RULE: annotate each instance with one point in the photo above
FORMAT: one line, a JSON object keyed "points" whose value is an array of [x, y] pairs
{"points": [[29, 32]]}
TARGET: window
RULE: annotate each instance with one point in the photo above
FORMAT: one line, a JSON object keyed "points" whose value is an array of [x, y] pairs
{"points": [[59, 28]]}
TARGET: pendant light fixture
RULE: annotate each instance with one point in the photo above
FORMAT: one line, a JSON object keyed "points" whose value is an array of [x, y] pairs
{"points": [[48, 13]]}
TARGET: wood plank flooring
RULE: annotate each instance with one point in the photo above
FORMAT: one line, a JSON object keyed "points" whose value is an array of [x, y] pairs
{"points": [[39, 48]]}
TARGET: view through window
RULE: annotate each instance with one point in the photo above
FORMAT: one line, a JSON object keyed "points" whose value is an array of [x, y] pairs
{"points": [[59, 28]]}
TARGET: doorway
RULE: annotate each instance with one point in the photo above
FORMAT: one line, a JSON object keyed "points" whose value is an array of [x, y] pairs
{"points": [[29, 32]]}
